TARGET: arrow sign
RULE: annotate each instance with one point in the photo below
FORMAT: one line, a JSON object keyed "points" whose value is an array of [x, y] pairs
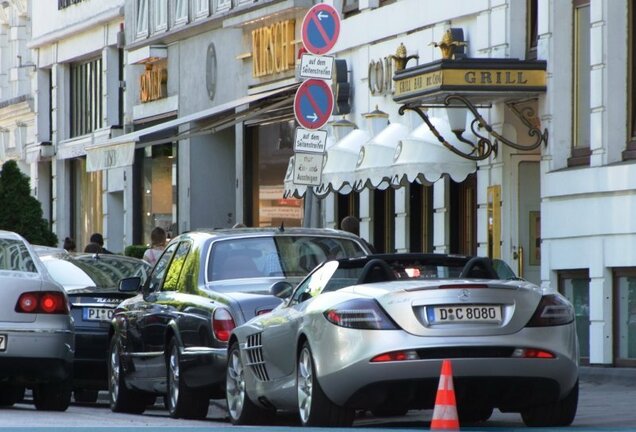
{"points": [[313, 104], [320, 29]]}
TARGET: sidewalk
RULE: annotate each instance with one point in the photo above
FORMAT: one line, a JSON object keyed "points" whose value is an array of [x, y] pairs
{"points": [[608, 374]]}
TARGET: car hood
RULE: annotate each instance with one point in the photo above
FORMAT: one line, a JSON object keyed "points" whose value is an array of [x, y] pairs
{"points": [[408, 303]]}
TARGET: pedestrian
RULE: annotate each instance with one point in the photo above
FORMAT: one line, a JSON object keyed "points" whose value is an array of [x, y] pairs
{"points": [[93, 247], [99, 239], [69, 245], [157, 245], [352, 224]]}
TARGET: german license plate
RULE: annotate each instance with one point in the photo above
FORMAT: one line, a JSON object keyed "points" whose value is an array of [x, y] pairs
{"points": [[465, 314], [98, 314], [3, 342]]}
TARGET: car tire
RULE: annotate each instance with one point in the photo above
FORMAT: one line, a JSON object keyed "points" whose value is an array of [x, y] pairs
{"points": [[314, 406], [121, 398], [241, 409], [558, 414], [52, 396], [10, 394], [85, 395], [183, 402]]}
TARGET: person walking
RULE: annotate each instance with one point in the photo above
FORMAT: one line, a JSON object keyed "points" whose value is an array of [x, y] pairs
{"points": [[352, 224], [99, 239], [69, 245], [157, 245]]}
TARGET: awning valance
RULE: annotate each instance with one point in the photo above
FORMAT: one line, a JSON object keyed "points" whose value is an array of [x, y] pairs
{"points": [[113, 153]]}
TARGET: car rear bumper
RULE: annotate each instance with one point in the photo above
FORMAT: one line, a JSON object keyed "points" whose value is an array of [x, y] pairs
{"points": [[203, 366], [483, 367]]}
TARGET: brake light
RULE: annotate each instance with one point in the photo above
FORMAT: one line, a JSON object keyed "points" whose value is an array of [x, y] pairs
{"points": [[532, 353], [553, 310], [48, 302], [222, 324], [363, 314], [395, 356]]}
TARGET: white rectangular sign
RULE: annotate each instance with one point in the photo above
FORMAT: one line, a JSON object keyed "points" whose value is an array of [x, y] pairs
{"points": [[313, 66], [311, 141], [307, 168]]}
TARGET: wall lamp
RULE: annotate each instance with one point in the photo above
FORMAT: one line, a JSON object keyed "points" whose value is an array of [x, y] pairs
{"points": [[457, 108]]}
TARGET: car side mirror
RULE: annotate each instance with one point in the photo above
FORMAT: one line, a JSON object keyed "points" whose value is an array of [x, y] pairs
{"points": [[281, 289], [130, 284]]}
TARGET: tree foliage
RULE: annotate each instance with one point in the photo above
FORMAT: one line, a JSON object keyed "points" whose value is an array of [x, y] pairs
{"points": [[19, 210]]}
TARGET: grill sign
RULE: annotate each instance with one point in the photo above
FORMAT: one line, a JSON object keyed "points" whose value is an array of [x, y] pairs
{"points": [[464, 314]]}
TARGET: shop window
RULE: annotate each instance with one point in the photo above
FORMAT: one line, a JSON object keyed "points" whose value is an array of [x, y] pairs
{"points": [[347, 205], [581, 85], [272, 145], [383, 218], [141, 27], [158, 203], [420, 218], [463, 216], [63, 4], [532, 27], [630, 150], [625, 317], [86, 97], [86, 203], [575, 285]]}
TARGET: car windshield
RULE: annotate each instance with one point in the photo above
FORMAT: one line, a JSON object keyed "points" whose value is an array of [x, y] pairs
{"points": [[288, 256], [14, 256], [102, 272]]}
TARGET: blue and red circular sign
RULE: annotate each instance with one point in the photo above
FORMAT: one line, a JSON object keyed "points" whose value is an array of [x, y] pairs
{"points": [[313, 103], [320, 30]]}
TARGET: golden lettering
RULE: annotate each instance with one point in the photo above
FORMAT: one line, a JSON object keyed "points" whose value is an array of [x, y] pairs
{"points": [[152, 84], [521, 79], [273, 48], [485, 78], [469, 77]]}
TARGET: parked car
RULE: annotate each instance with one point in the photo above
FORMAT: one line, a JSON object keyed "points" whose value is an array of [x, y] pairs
{"points": [[171, 339], [91, 283], [371, 334], [36, 329]]}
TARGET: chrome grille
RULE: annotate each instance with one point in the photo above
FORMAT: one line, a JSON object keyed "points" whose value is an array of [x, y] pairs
{"points": [[254, 351]]}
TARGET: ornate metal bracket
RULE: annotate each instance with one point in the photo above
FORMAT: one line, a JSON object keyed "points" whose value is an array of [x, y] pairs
{"points": [[484, 147]]}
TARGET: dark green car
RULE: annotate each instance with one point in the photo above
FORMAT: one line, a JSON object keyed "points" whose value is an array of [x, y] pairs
{"points": [[171, 338]]}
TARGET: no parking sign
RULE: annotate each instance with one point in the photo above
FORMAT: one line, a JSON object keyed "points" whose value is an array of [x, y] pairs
{"points": [[320, 30]]}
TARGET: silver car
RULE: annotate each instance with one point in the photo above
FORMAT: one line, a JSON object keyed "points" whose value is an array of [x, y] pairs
{"points": [[36, 329], [371, 334]]}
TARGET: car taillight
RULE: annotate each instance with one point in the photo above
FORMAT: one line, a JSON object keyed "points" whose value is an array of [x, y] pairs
{"points": [[363, 314], [222, 324], [553, 310], [48, 302]]}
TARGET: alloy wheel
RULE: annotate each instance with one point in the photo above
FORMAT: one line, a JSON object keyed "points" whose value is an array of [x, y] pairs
{"points": [[173, 376], [235, 386], [305, 384], [114, 373]]}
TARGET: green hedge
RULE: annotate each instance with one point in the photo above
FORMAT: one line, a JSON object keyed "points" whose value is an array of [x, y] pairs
{"points": [[136, 251]]}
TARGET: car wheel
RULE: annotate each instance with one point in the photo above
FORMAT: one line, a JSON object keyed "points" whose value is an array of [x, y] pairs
{"points": [[52, 396], [183, 402], [10, 394], [121, 398], [561, 413], [241, 409], [85, 395], [314, 406]]}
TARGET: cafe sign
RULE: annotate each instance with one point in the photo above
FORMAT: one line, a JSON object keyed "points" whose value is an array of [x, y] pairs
{"points": [[273, 48], [431, 81]]}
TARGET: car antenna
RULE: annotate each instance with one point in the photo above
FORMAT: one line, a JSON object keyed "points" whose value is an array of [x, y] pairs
{"points": [[282, 226]]}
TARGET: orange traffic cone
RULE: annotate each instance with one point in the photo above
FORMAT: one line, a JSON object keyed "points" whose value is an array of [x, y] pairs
{"points": [[445, 412]]}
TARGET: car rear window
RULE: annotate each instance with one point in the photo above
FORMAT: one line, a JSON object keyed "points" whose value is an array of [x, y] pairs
{"points": [[14, 256], [287, 256]]}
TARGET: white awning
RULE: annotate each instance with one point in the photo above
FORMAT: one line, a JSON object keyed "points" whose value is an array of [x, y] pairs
{"points": [[376, 156], [341, 159], [114, 153], [421, 157]]}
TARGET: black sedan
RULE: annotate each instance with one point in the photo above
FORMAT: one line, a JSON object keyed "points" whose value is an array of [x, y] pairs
{"points": [[90, 281], [171, 339]]}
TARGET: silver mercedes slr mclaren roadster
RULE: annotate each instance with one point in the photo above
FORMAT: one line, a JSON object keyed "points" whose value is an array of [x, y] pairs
{"points": [[371, 334]]}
